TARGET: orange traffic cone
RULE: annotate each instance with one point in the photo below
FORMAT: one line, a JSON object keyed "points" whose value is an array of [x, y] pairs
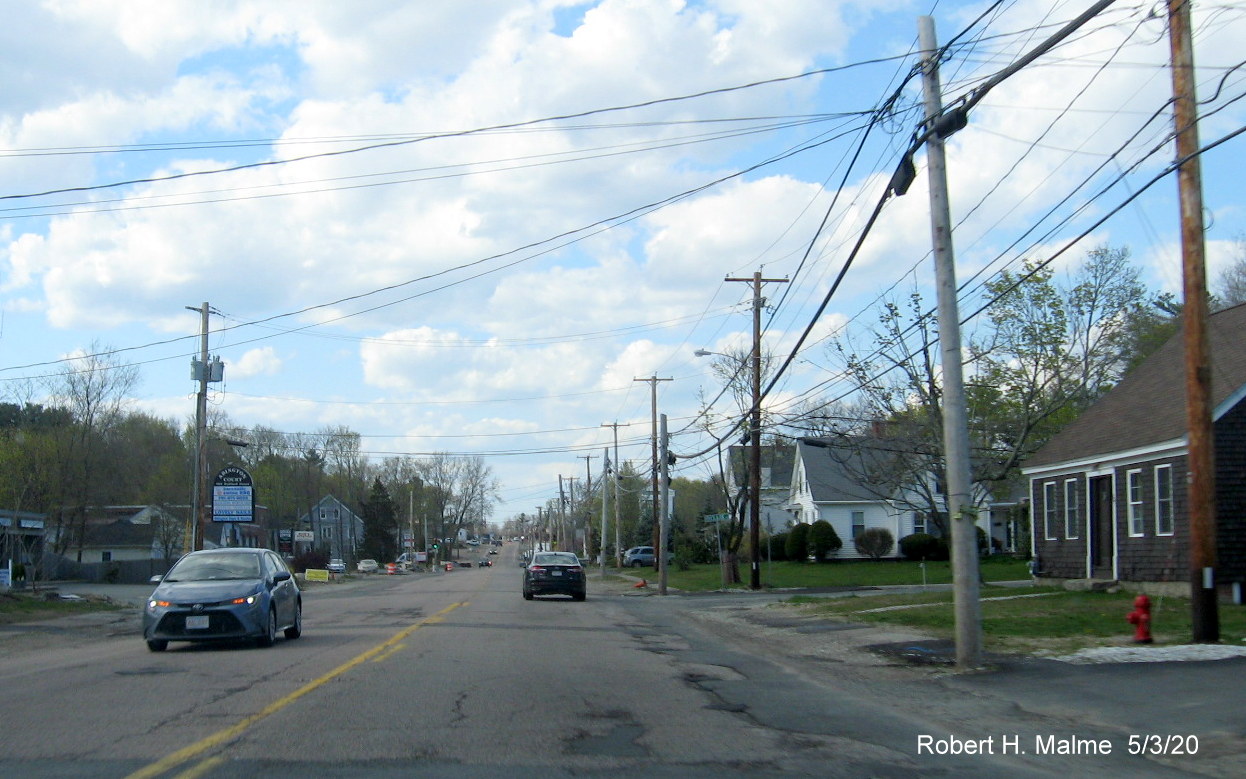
{"points": [[640, 584]]}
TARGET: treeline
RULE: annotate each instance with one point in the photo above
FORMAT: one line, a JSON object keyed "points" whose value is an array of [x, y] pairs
{"points": [[80, 448]]}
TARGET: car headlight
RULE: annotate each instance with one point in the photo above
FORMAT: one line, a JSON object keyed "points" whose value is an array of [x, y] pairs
{"points": [[154, 604], [250, 600]]}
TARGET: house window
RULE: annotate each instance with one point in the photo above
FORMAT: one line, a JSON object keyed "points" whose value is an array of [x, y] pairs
{"points": [[919, 522], [1133, 491], [1163, 500], [106, 557], [1071, 522], [858, 523], [1050, 511]]}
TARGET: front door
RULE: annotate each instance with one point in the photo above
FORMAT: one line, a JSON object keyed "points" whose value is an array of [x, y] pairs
{"points": [[1102, 536]]}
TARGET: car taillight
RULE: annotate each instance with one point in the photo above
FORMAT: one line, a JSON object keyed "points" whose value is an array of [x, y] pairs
{"points": [[536, 568], [574, 568]]}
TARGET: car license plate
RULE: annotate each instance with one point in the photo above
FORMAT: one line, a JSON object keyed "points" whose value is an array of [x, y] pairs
{"points": [[197, 623], [555, 573]]}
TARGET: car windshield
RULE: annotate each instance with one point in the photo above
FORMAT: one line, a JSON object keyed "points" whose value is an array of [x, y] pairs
{"points": [[556, 558], [210, 567]]}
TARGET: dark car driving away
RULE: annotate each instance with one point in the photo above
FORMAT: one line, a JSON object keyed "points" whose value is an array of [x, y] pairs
{"points": [[554, 573], [224, 594]]}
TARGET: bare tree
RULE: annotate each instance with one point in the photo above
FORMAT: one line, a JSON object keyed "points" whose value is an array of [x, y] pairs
{"points": [[1230, 285], [462, 491], [94, 387], [1046, 352]]}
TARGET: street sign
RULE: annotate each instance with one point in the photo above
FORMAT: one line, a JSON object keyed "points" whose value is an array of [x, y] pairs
{"points": [[306, 536], [717, 518]]}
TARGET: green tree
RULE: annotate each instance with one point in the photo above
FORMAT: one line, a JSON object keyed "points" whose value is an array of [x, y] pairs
{"points": [[823, 540], [797, 545]]}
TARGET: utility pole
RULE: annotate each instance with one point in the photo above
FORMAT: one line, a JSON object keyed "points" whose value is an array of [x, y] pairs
{"points": [[1204, 611], [754, 463], [588, 491], [618, 537], [653, 390], [616, 475], [567, 529], [664, 514], [960, 507], [605, 499], [197, 501]]}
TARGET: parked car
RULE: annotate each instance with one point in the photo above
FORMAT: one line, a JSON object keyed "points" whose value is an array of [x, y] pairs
{"points": [[367, 565], [639, 556], [337, 566], [221, 595], [554, 573], [464, 564]]}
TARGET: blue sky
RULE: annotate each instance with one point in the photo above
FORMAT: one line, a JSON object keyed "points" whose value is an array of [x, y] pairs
{"points": [[438, 285]]}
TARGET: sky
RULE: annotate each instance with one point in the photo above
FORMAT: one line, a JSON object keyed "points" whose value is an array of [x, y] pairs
{"points": [[474, 228]]}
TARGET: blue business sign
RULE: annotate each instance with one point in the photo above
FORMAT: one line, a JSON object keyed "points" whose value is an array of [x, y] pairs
{"points": [[233, 496]]}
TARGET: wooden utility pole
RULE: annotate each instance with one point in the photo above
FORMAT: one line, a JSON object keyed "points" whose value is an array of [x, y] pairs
{"points": [[754, 415], [618, 533], [664, 516], [1205, 618], [197, 497], [653, 394], [588, 493], [605, 499], [960, 507]]}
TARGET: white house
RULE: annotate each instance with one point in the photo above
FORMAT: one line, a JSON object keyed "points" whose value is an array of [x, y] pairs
{"points": [[829, 482], [776, 470]]}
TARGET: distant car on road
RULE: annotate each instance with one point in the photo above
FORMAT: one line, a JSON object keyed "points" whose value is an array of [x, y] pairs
{"points": [[485, 562], [554, 573], [367, 565], [639, 556], [464, 564], [337, 566], [223, 595]]}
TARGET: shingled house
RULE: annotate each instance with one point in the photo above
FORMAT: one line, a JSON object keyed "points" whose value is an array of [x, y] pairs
{"points": [[1108, 494]]}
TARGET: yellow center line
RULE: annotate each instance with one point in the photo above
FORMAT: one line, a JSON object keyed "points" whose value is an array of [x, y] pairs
{"points": [[228, 734]]}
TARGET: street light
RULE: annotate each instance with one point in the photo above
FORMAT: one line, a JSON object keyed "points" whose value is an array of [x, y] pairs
{"points": [[754, 463]]}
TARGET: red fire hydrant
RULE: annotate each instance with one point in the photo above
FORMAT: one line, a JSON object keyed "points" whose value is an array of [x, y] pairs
{"points": [[1140, 618]]}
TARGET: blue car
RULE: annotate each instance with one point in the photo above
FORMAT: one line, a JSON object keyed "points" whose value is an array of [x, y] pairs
{"points": [[224, 595]]}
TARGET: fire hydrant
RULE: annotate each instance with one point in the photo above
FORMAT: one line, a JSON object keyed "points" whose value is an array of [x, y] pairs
{"points": [[1140, 618]]}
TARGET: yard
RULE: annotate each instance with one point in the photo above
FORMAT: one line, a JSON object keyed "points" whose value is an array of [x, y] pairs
{"points": [[848, 573]]}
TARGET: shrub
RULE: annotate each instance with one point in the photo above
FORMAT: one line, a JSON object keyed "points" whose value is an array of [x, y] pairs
{"points": [[823, 539], [797, 546], [923, 546], [777, 545], [313, 559], [875, 543]]}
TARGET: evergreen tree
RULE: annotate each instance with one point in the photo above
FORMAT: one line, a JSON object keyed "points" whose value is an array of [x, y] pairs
{"points": [[380, 525]]}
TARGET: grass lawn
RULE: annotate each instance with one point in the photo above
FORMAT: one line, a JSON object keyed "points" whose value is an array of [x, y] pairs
{"points": [[26, 607], [846, 573], [1052, 621]]}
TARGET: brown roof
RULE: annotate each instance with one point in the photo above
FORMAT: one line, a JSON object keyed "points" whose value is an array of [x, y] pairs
{"points": [[1148, 406]]}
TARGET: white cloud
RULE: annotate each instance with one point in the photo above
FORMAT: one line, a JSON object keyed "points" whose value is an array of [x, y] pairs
{"points": [[255, 362]]}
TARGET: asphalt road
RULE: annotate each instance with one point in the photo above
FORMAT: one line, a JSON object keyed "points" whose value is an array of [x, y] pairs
{"points": [[454, 674]]}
